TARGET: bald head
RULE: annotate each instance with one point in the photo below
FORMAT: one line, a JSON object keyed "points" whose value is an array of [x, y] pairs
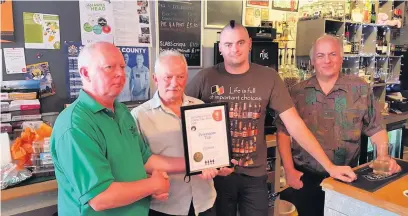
{"points": [[101, 66], [92, 51], [338, 44], [235, 46], [232, 25], [327, 57]]}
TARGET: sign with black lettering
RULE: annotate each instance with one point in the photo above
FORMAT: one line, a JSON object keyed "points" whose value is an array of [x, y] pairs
{"points": [[179, 27]]}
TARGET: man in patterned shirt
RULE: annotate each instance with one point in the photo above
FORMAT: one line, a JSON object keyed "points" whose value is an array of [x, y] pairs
{"points": [[336, 108]]}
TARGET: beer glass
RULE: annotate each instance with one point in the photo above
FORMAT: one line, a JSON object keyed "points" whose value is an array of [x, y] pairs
{"points": [[381, 163]]}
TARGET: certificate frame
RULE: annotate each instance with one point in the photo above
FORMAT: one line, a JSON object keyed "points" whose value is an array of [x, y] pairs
{"points": [[186, 111]]}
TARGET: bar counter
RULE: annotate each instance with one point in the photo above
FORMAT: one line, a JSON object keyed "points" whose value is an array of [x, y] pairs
{"points": [[343, 199]]}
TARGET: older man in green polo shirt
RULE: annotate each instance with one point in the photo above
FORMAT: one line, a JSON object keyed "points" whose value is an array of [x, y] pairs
{"points": [[101, 163]]}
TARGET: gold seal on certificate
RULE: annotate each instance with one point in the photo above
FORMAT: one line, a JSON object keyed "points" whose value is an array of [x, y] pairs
{"points": [[206, 137]]}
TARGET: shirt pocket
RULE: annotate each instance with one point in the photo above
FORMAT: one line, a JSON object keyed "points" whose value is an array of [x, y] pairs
{"points": [[351, 126]]}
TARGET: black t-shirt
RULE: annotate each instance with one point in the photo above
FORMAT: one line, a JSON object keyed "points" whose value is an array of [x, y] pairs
{"points": [[248, 95]]}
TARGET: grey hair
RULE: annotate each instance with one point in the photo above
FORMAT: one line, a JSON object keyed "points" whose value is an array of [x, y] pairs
{"points": [[158, 64], [339, 42]]}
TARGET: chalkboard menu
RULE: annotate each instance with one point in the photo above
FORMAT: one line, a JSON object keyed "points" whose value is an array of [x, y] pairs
{"points": [[179, 28]]}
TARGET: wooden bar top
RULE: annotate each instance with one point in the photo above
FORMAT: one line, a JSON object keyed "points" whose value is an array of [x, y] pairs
{"points": [[28, 190], [390, 197]]}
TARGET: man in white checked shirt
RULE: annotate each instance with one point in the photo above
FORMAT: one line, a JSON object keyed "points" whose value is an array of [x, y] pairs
{"points": [[159, 124]]}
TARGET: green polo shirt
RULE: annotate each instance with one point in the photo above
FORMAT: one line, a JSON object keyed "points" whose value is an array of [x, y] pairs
{"points": [[92, 147]]}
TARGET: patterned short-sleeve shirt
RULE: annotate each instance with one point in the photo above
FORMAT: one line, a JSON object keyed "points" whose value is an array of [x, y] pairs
{"points": [[336, 119]]}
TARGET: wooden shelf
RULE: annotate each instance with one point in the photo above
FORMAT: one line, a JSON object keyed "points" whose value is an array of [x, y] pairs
{"points": [[379, 84], [270, 140], [28, 190], [392, 117]]}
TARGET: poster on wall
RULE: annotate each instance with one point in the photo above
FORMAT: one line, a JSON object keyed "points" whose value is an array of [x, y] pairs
{"points": [[41, 31], [74, 84], [41, 71], [264, 14], [97, 22], [261, 3], [14, 59], [252, 16], [285, 5], [137, 72], [179, 27], [132, 23], [6, 25]]}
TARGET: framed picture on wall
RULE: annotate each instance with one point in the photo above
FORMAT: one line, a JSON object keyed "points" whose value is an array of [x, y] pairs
{"points": [[219, 13], [285, 5], [261, 3]]}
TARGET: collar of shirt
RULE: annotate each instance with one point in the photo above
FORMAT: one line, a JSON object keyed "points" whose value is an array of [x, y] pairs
{"points": [[94, 105], [341, 84], [156, 102]]}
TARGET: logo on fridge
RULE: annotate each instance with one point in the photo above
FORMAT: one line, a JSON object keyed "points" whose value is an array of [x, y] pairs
{"points": [[264, 55], [217, 89]]}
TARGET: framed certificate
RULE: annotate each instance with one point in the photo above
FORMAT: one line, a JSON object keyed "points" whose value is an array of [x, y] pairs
{"points": [[206, 135]]}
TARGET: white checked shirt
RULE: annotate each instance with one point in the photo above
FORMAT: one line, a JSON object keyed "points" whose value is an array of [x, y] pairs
{"points": [[161, 130]]}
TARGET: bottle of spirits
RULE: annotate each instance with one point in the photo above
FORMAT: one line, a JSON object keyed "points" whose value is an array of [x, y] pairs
{"points": [[236, 132], [251, 146], [373, 14], [234, 146], [239, 111], [361, 70], [245, 112], [355, 48], [250, 129], [254, 112], [240, 129], [245, 131], [346, 40], [237, 147], [242, 148], [257, 112], [236, 110], [379, 44], [231, 110], [385, 44], [250, 110], [246, 147]]}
